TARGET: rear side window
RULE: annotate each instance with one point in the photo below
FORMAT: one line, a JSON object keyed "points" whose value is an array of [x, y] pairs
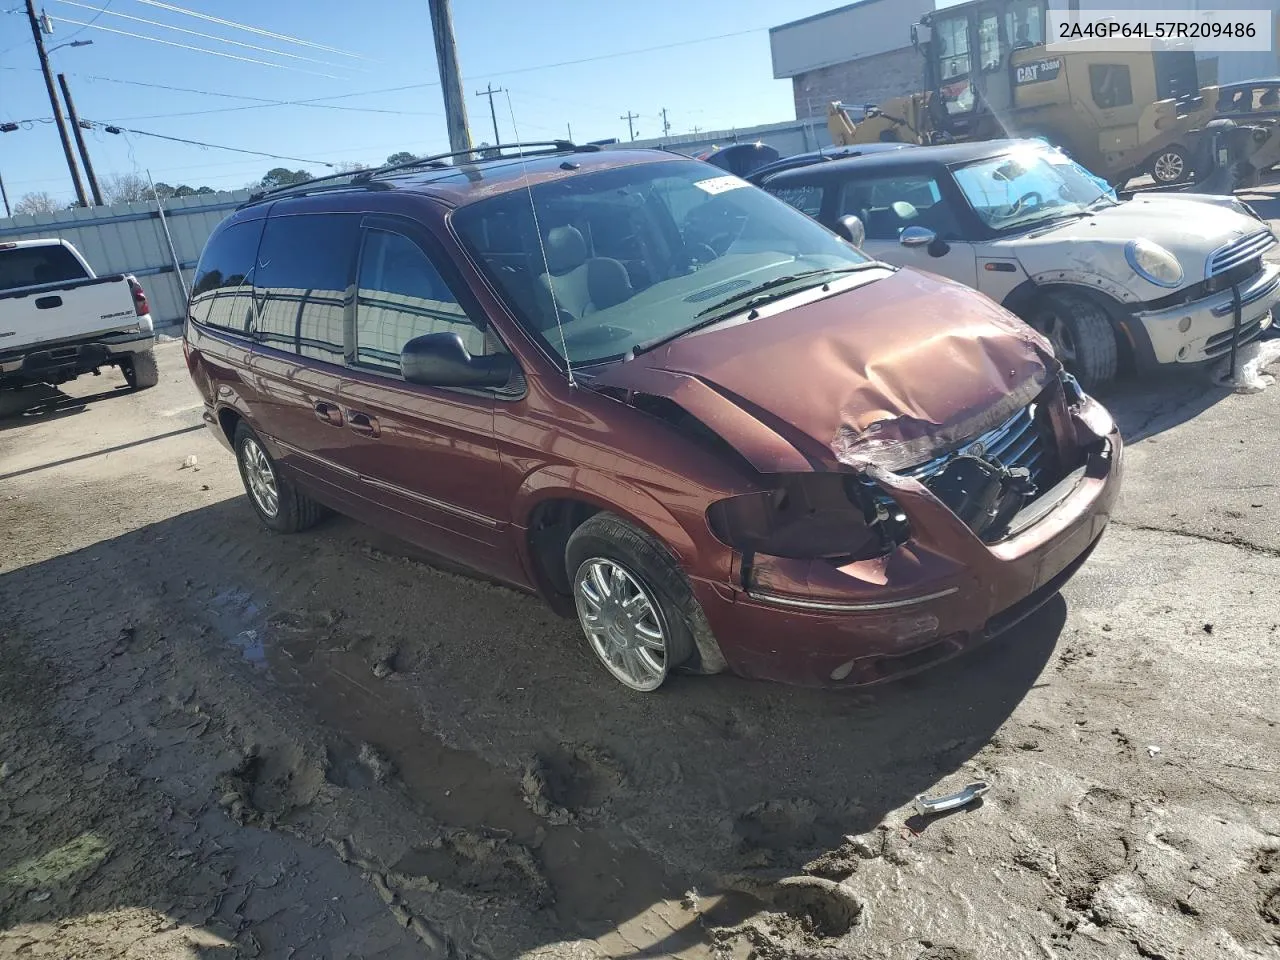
{"points": [[401, 296], [304, 271], [807, 198], [28, 266], [221, 296]]}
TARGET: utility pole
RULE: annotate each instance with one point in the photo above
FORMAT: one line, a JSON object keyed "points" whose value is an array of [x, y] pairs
{"points": [[53, 102], [5, 193], [569, 126], [455, 108], [629, 117], [696, 129], [489, 91], [79, 132], [666, 127]]}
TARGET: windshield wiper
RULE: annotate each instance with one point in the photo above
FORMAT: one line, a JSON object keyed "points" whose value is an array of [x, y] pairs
{"points": [[754, 296], [753, 292]]}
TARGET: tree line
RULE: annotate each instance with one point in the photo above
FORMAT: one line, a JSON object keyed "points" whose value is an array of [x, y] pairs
{"points": [[134, 188]]}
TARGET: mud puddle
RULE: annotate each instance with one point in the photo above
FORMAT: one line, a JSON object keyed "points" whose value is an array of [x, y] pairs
{"points": [[517, 835]]}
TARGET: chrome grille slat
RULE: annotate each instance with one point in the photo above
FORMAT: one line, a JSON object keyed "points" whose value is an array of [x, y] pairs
{"points": [[1000, 448], [1238, 252]]}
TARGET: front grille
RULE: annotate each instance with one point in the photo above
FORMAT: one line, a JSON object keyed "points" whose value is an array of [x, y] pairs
{"points": [[1018, 442], [1021, 441], [1239, 251], [1220, 343]]}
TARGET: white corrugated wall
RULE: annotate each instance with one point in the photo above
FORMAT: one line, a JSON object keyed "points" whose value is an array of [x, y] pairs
{"points": [[129, 238]]}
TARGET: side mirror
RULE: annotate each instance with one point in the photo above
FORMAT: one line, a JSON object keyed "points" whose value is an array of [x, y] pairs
{"points": [[917, 237], [441, 360], [850, 228]]}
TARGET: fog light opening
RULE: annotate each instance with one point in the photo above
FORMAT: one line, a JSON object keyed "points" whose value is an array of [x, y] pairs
{"points": [[842, 671], [1184, 324]]}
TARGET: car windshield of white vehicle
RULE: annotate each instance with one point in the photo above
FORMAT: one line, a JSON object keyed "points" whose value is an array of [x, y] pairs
{"points": [[631, 257], [1028, 187]]}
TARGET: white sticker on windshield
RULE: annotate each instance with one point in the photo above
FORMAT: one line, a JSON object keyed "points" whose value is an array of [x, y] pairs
{"points": [[720, 184]]}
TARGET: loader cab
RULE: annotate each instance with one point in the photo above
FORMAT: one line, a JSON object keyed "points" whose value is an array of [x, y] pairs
{"points": [[971, 52], [989, 73]]}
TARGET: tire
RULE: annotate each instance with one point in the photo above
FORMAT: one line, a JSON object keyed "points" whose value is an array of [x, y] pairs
{"points": [[1170, 165], [625, 642], [141, 370], [1081, 334], [293, 510]]}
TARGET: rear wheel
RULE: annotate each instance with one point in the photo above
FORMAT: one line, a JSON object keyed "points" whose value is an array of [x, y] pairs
{"points": [[1081, 335], [278, 503], [634, 604], [1170, 165], [141, 370]]}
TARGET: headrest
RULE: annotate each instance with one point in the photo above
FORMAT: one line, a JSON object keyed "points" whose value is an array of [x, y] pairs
{"points": [[565, 249]]}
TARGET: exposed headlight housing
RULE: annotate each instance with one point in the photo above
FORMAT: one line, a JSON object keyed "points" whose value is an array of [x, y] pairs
{"points": [[1153, 263]]}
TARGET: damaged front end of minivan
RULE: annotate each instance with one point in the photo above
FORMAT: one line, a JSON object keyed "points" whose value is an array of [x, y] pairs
{"points": [[939, 511]]}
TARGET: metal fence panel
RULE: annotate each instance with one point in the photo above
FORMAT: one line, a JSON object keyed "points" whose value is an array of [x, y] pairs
{"points": [[129, 238]]}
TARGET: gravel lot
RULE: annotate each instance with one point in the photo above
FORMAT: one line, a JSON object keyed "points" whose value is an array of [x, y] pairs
{"points": [[217, 742]]}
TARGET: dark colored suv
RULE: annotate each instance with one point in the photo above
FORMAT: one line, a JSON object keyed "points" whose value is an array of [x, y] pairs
{"points": [[660, 398]]}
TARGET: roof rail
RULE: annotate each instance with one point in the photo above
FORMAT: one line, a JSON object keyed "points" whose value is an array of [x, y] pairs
{"points": [[306, 186], [487, 153], [364, 178]]}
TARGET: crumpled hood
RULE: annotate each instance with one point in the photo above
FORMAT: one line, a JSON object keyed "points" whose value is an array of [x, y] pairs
{"points": [[892, 373], [1189, 229]]}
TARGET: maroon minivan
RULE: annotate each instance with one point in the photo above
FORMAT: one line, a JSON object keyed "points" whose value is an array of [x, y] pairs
{"points": [[664, 400]]}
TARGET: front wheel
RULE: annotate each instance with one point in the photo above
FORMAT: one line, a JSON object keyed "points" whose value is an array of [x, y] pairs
{"points": [[1081, 335], [1170, 165], [633, 601]]}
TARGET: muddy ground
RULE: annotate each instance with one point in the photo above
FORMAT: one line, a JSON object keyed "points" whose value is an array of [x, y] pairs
{"points": [[216, 742]]}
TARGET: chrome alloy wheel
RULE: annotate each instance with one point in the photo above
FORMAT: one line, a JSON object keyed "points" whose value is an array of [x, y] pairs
{"points": [[260, 477], [622, 623]]}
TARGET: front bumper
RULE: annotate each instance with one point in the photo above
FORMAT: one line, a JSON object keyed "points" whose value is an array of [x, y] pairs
{"points": [[1202, 330], [943, 592]]}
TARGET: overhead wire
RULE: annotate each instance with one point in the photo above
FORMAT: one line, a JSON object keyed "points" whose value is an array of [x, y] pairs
{"points": [[187, 46], [197, 33], [173, 8], [76, 33], [113, 128]]}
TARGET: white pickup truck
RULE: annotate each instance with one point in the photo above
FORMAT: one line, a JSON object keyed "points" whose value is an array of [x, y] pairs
{"points": [[59, 320]]}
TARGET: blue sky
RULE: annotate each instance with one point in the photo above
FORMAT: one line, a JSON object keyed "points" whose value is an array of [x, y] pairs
{"points": [[716, 83]]}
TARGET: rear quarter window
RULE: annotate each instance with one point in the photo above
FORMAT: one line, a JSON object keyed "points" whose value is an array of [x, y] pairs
{"points": [[222, 293], [29, 266]]}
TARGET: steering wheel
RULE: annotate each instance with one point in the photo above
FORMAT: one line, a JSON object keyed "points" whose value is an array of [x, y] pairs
{"points": [[1025, 199]]}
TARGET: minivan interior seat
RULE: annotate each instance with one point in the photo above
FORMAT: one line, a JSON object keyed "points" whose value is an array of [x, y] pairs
{"points": [[582, 283]]}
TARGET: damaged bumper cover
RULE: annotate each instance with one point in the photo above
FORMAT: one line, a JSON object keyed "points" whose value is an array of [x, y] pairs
{"points": [[941, 592], [1202, 330]]}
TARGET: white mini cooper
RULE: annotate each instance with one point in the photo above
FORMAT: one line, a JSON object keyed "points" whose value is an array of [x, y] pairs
{"points": [[1159, 279]]}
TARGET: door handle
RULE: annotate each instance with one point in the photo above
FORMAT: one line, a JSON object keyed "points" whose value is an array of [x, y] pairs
{"points": [[363, 424], [329, 413]]}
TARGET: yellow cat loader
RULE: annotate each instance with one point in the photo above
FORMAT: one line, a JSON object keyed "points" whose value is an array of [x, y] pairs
{"points": [[988, 74]]}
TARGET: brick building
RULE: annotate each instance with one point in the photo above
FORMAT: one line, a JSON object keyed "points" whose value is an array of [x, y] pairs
{"points": [[857, 54]]}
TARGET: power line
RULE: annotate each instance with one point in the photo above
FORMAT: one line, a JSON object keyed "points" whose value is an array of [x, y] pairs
{"points": [[92, 20], [251, 29], [187, 46], [98, 11], [111, 128]]}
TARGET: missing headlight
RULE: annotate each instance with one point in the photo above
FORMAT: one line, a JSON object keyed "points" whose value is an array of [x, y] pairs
{"points": [[808, 516]]}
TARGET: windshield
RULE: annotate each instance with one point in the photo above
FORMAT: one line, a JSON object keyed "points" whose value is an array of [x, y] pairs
{"points": [[1029, 186], [632, 256]]}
